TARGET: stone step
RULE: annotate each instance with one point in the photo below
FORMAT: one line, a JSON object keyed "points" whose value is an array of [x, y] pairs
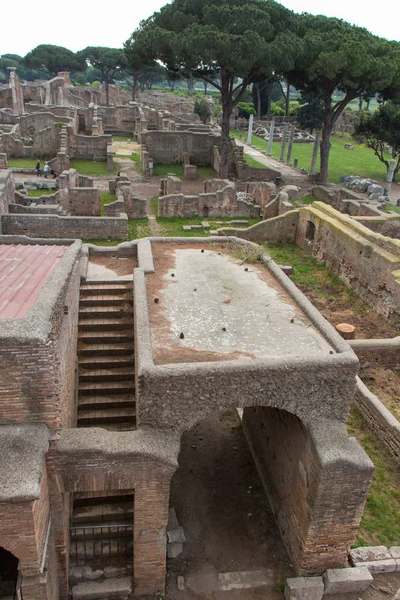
{"points": [[98, 374], [112, 401], [105, 362], [92, 350], [106, 337], [104, 512], [84, 498], [104, 388], [105, 324], [118, 588], [105, 299], [93, 416], [94, 312], [112, 288], [118, 426]]}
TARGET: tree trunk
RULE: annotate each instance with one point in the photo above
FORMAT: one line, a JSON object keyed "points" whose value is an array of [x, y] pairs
{"points": [[258, 92], [269, 89], [324, 150], [226, 115], [205, 83], [190, 83], [134, 88]]}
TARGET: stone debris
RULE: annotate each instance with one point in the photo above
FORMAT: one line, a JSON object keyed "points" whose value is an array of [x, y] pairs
{"points": [[175, 535]]}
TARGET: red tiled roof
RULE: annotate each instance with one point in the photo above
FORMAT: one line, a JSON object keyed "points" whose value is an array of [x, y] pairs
{"points": [[24, 270]]}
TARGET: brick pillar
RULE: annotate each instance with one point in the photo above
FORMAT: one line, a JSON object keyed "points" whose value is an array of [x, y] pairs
{"points": [[149, 550]]}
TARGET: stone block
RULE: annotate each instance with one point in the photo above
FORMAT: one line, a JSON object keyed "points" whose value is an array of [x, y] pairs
{"points": [[394, 552], [379, 566], [187, 228], [304, 588], [368, 554], [174, 549], [205, 225], [341, 581]]}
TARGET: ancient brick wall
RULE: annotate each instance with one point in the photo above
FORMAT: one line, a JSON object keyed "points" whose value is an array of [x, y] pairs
{"points": [[84, 201], [37, 375], [7, 191], [278, 229], [23, 528], [94, 472], [170, 146], [66, 227], [84, 147], [380, 419], [316, 485], [366, 261]]}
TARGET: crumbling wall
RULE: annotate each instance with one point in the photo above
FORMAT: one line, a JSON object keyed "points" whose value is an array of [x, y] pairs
{"points": [[170, 146], [279, 229], [84, 147], [7, 191], [368, 262], [84, 201]]}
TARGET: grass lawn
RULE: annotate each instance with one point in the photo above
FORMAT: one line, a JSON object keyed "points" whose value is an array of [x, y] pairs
{"points": [[173, 227], [154, 204], [38, 193], [88, 167], [311, 274], [122, 138], [106, 199], [360, 161], [392, 208], [22, 163], [178, 170], [252, 162]]}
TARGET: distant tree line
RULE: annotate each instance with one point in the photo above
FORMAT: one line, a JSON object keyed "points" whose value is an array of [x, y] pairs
{"points": [[242, 47]]}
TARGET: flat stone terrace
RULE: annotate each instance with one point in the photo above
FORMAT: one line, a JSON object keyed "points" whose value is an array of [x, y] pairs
{"points": [[24, 271], [213, 307]]}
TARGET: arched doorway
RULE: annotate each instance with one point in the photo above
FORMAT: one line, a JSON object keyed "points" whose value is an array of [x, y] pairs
{"points": [[8, 574], [220, 503]]}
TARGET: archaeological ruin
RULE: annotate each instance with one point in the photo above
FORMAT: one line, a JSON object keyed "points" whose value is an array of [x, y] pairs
{"points": [[111, 354]]}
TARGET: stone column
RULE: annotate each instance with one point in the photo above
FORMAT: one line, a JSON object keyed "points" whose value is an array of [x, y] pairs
{"points": [[16, 92], [250, 129], [389, 177], [290, 146], [271, 137], [315, 152], [284, 137]]}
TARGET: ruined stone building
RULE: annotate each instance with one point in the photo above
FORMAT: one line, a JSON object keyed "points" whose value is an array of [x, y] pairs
{"points": [[97, 386]]}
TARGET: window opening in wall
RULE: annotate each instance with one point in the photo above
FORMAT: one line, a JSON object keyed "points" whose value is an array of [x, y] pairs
{"points": [[101, 532], [310, 231], [8, 573]]}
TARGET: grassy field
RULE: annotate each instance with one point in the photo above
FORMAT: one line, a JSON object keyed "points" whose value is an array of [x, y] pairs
{"points": [[122, 138], [178, 170], [360, 161], [22, 163], [87, 167], [252, 162], [38, 193]]}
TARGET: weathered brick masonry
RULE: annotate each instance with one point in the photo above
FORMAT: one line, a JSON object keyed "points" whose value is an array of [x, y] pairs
{"points": [[66, 227]]}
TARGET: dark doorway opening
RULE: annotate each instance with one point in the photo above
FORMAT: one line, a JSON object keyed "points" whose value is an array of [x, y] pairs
{"points": [[8, 573]]}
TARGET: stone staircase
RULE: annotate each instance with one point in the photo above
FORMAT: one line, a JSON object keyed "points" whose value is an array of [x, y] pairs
{"points": [[106, 394]]}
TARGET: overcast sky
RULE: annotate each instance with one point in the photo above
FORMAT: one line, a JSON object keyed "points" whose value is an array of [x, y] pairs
{"points": [[80, 23]]}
